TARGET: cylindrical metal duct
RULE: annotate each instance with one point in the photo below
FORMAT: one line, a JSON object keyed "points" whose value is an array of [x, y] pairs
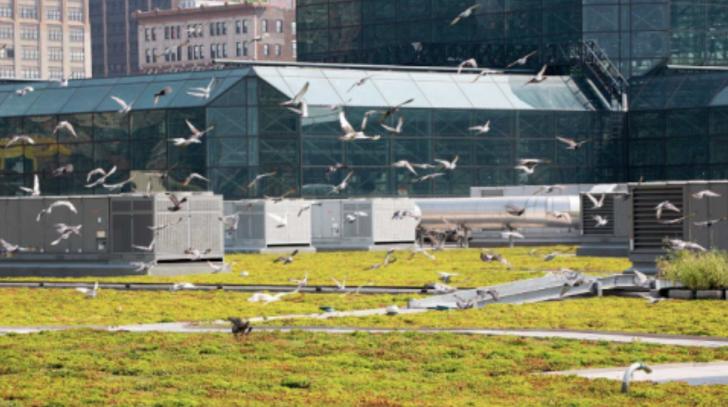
{"points": [[490, 213]]}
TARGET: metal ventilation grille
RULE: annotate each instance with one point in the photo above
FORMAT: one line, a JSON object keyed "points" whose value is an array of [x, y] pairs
{"points": [[648, 232], [588, 224]]}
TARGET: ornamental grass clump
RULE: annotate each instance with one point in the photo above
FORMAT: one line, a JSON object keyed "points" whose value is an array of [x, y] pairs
{"points": [[696, 270]]}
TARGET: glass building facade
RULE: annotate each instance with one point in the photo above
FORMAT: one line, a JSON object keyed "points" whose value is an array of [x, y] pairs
{"points": [[637, 35], [254, 134]]}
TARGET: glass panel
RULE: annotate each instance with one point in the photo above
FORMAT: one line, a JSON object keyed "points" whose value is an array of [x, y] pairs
{"points": [[111, 126], [86, 99], [322, 151], [227, 122]]}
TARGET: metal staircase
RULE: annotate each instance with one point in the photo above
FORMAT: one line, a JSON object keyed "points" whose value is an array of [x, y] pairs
{"points": [[603, 75]]}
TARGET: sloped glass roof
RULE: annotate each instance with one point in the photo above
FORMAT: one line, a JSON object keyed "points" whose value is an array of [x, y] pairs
{"points": [[331, 86], [94, 95]]}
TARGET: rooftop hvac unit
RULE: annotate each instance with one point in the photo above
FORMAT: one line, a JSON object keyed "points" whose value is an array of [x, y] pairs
{"points": [[110, 228], [611, 239], [362, 223], [265, 224], [648, 233]]}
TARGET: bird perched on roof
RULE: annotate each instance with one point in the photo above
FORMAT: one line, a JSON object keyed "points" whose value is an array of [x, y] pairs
{"points": [[489, 257], [488, 292], [165, 91], [287, 259], [266, 298], [522, 60], [572, 144], [446, 277], [629, 374], [24, 90], [464, 14], [239, 327], [297, 104]]}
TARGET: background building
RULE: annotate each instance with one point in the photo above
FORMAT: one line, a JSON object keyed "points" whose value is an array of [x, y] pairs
{"points": [[636, 35], [44, 39], [191, 38], [114, 35]]}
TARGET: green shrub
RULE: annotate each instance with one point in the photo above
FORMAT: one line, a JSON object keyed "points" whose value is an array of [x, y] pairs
{"points": [[296, 382], [697, 271]]}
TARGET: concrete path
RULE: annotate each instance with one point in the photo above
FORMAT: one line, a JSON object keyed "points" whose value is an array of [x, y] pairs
{"points": [[691, 373], [221, 327]]}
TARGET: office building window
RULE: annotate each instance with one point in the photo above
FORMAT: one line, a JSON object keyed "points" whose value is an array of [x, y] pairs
{"points": [[294, 48], [279, 26], [7, 53], [241, 49], [266, 49], [293, 28], [153, 32], [55, 54], [76, 34], [77, 55], [224, 50], [245, 26], [75, 13], [166, 33], [55, 74], [7, 72], [278, 50], [212, 29], [6, 31], [29, 32], [31, 73], [30, 12], [78, 75], [148, 56], [6, 10], [238, 27], [264, 26], [30, 53], [55, 33], [53, 13]]}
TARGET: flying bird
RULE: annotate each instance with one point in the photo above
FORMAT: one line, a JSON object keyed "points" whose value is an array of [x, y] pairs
{"points": [[194, 176], [394, 109], [485, 128], [482, 73], [428, 177], [677, 244], [522, 60], [448, 165], [528, 165], [547, 189], [124, 107], [350, 134], [665, 206], [65, 232], [65, 126], [280, 221], [167, 90], [297, 104], [540, 76], [194, 137], [706, 194], [9, 249], [629, 374], [572, 144], [266, 298], [118, 185], [397, 129], [565, 216], [176, 202], [89, 292], [103, 176], [148, 248], [56, 204], [446, 277], [488, 257], [239, 327], [472, 63], [280, 198], [596, 203], [352, 217], [343, 184], [254, 182], [360, 82], [405, 164], [710, 223], [203, 93], [600, 221], [35, 191], [197, 254], [21, 138], [286, 259], [464, 14], [63, 170], [224, 267], [331, 169], [24, 90]]}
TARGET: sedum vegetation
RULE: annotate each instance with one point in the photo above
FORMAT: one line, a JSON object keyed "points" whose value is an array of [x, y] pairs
{"points": [[697, 271], [275, 369]]}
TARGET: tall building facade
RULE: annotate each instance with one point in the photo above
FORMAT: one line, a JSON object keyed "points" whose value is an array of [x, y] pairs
{"points": [[192, 38], [637, 35], [114, 40], [44, 39]]}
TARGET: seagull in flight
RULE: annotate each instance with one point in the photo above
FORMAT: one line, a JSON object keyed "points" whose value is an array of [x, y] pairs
{"points": [[472, 63], [514, 210], [343, 184], [706, 194], [287, 259], [596, 203], [35, 191], [405, 164], [528, 165], [224, 267], [600, 221], [148, 248], [194, 137], [65, 232], [9, 249], [254, 182], [665, 206], [397, 129], [63, 170], [350, 134], [194, 176], [124, 107], [167, 90], [24, 90], [572, 144], [565, 216], [710, 223], [266, 298], [429, 177], [448, 165], [103, 176], [203, 93], [281, 221], [485, 128], [547, 189], [464, 14], [522, 60], [677, 244], [540, 76], [56, 204], [117, 186], [66, 126], [89, 292], [482, 73], [360, 82], [352, 217], [394, 109], [176, 202], [297, 104], [18, 139]]}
